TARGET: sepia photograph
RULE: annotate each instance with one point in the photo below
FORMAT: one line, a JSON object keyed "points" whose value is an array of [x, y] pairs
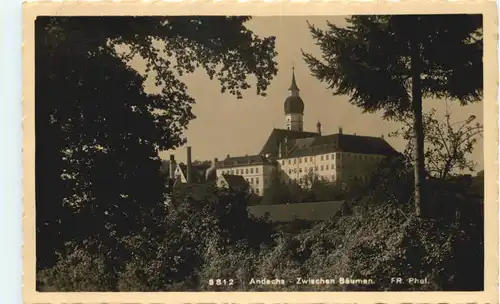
{"points": [[232, 153]]}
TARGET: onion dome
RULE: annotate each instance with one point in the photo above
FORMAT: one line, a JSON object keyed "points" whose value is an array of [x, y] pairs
{"points": [[293, 103]]}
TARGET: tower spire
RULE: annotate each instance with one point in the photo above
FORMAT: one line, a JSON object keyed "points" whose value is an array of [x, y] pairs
{"points": [[294, 107], [293, 86]]}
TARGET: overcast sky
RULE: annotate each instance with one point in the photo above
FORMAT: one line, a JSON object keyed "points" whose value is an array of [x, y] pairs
{"points": [[226, 125]]}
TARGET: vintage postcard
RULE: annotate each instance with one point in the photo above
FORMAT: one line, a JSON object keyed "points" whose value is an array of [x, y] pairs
{"points": [[260, 152]]}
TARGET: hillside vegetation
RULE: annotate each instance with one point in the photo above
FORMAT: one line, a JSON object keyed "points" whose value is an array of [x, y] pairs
{"points": [[375, 236]]}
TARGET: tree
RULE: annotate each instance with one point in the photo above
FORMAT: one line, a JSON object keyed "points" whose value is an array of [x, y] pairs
{"points": [[392, 63], [277, 192], [171, 259], [448, 143], [98, 132]]}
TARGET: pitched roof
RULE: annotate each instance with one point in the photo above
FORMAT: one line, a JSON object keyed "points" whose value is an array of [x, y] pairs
{"points": [[278, 135], [339, 143], [243, 161], [235, 181], [198, 171], [318, 211]]}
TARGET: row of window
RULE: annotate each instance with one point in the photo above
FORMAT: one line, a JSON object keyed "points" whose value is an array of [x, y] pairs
{"points": [[360, 157], [251, 180], [303, 179], [310, 159], [311, 169], [365, 158], [240, 171]]}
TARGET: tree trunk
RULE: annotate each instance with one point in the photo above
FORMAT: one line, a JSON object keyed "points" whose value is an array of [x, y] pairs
{"points": [[418, 131]]}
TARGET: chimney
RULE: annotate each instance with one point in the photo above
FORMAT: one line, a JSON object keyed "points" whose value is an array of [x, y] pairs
{"points": [[171, 166], [382, 136], [188, 165], [211, 171], [340, 130], [318, 126]]}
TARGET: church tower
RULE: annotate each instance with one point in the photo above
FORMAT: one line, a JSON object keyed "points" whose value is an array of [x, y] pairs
{"points": [[294, 108]]}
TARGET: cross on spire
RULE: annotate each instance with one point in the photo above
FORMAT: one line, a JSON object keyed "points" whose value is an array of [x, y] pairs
{"points": [[293, 86]]}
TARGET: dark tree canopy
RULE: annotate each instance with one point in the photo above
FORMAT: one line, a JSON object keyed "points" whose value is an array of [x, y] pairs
{"points": [[370, 59], [392, 63], [98, 133]]}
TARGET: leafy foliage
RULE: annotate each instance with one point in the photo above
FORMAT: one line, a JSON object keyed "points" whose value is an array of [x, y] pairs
{"points": [[378, 48], [98, 133], [448, 143], [116, 226], [391, 63], [79, 269], [370, 238], [311, 189]]}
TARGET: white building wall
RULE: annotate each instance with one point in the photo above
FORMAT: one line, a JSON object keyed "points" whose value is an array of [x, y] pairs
{"points": [[257, 176], [338, 166], [294, 121], [332, 167], [178, 173]]}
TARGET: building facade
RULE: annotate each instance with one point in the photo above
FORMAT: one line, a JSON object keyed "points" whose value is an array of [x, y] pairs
{"points": [[294, 155]]}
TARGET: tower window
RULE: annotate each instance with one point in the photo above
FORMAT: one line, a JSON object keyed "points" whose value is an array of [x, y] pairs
{"points": [[288, 127]]}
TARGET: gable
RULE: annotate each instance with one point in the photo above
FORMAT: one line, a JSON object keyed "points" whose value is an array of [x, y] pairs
{"points": [[234, 181], [278, 135]]}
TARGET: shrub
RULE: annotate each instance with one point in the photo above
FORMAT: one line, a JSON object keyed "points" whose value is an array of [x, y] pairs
{"points": [[79, 270]]}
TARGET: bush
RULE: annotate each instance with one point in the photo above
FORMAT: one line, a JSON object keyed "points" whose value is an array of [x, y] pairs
{"points": [[79, 270], [373, 237]]}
